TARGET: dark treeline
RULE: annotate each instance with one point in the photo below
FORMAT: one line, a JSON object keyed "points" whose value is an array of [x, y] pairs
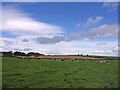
{"points": [[12, 54]]}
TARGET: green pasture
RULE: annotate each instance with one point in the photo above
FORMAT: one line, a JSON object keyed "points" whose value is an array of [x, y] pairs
{"points": [[45, 73]]}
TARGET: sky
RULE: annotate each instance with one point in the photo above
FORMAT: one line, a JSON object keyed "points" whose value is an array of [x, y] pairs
{"points": [[60, 28]]}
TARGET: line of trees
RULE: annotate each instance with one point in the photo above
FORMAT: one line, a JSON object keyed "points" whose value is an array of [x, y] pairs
{"points": [[12, 54]]}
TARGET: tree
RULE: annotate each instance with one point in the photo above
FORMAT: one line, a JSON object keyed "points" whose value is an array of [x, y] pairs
{"points": [[19, 53], [33, 54], [7, 54]]}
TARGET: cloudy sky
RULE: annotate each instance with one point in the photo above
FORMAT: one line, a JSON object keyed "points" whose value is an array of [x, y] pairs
{"points": [[60, 28]]}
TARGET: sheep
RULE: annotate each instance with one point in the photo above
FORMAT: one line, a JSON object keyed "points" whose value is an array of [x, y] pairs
{"points": [[107, 62], [104, 62], [60, 60], [73, 60]]}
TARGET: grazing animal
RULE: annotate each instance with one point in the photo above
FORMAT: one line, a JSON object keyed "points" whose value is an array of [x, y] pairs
{"points": [[25, 58], [18, 57], [101, 62], [104, 62], [73, 60], [60, 60], [107, 62]]}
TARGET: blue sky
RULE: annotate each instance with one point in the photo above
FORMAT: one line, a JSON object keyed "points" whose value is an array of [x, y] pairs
{"points": [[50, 25]]}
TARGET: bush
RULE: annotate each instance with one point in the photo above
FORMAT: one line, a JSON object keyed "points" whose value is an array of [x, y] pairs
{"points": [[7, 54]]}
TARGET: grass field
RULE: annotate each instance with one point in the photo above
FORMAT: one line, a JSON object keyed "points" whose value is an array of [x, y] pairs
{"points": [[18, 73]]}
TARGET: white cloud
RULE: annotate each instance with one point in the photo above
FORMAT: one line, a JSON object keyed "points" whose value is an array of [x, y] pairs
{"points": [[77, 26], [52, 40], [117, 48], [101, 51], [78, 35], [106, 4], [73, 47], [101, 43], [109, 51], [89, 22], [18, 22], [112, 6], [2, 44], [103, 31], [92, 22], [97, 32]]}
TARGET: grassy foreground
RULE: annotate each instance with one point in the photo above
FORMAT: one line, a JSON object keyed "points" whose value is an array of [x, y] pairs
{"points": [[17, 73]]}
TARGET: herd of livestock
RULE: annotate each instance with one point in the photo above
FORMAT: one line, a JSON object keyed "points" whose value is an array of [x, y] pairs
{"points": [[64, 58], [104, 62]]}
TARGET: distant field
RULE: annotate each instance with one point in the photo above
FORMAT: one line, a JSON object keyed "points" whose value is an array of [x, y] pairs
{"points": [[102, 57], [45, 73]]}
